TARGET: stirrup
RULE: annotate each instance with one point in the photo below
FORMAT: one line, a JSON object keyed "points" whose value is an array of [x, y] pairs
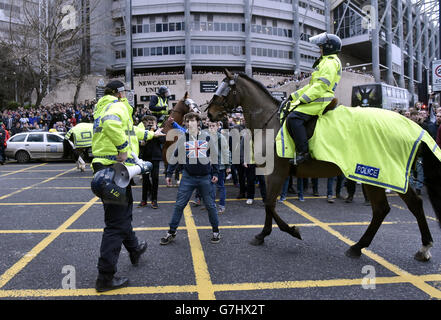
{"points": [[300, 158]]}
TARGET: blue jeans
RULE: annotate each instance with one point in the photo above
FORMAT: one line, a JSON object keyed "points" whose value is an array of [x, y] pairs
{"points": [[285, 188], [329, 187], [417, 182], [220, 185], [186, 187], [300, 186]]}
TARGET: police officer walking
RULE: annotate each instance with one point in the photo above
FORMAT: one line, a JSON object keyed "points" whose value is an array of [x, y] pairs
{"points": [[159, 104], [114, 140], [81, 138], [312, 99]]}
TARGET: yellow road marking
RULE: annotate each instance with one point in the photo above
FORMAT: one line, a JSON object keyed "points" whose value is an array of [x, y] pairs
{"points": [[203, 280], [30, 171], [92, 292], [36, 184], [256, 226], [17, 267], [67, 203], [249, 286], [24, 169], [420, 284]]}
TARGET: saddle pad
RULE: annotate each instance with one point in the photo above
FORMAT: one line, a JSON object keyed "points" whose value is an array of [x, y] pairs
{"points": [[371, 145], [285, 146]]}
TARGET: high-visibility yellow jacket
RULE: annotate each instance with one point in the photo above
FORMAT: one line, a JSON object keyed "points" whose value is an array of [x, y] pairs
{"points": [[161, 107], [114, 132], [82, 135], [313, 98]]}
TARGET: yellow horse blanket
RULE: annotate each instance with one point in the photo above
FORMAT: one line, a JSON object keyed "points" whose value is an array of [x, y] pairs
{"points": [[371, 145]]}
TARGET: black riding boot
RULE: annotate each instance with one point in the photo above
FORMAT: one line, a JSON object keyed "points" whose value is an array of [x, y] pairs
{"points": [[297, 130]]}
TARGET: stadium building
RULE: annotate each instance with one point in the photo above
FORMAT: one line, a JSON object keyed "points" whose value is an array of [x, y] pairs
{"points": [[185, 44]]}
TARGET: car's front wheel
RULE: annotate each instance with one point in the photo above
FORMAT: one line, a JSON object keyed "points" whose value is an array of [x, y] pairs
{"points": [[22, 156]]}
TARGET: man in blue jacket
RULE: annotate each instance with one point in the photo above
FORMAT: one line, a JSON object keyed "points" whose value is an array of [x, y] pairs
{"points": [[193, 153]]}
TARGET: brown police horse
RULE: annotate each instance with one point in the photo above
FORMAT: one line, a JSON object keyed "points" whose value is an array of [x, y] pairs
{"points": [[182, 107], [260, 112]]}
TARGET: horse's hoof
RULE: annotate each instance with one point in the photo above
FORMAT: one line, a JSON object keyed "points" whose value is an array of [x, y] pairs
{"points": [[294, 231], [420, 256], [353, 252], [257, 242]]}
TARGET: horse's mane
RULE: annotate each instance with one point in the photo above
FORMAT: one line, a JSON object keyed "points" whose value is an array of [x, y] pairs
{"points": [[261, 86]]}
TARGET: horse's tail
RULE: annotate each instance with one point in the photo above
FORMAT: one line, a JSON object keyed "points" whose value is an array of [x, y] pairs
{"points": [[432, 179]]}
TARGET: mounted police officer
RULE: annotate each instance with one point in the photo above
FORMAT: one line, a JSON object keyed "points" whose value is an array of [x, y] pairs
{"points": [[115, 139], [159, 104], [312, 99]]}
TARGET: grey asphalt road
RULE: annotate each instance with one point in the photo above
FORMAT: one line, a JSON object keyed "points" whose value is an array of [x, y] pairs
{"points": [[51, 227]]}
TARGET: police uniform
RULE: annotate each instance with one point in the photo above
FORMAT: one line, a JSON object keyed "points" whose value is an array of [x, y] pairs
{"points": [[159, 105], [113, 133], [81, 136], [312, 99]]}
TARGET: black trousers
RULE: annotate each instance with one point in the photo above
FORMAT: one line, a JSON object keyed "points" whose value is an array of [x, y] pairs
{"points": [[151, 187], [118, 231], [297, 130], [351, 185], [249, 187]]}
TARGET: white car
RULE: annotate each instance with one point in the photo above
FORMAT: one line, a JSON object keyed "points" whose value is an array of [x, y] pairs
{"points": [[35, 145]]}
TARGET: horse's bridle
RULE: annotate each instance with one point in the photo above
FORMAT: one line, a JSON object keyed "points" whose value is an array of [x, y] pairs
{"points": [[192, 107], [223, 91]]}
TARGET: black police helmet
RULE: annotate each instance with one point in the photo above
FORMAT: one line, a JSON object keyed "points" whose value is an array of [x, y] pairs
{"points": [[330, 43], [114, 87], [104, 187], [163, 91]]}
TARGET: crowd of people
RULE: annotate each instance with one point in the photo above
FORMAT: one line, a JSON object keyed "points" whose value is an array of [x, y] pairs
{"points": [[296, 78], [60, 117]]}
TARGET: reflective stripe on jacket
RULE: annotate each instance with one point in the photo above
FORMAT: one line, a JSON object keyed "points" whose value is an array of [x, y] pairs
{"points": [[82, 135], [114, 132], [313, 98], [163, 104]]}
